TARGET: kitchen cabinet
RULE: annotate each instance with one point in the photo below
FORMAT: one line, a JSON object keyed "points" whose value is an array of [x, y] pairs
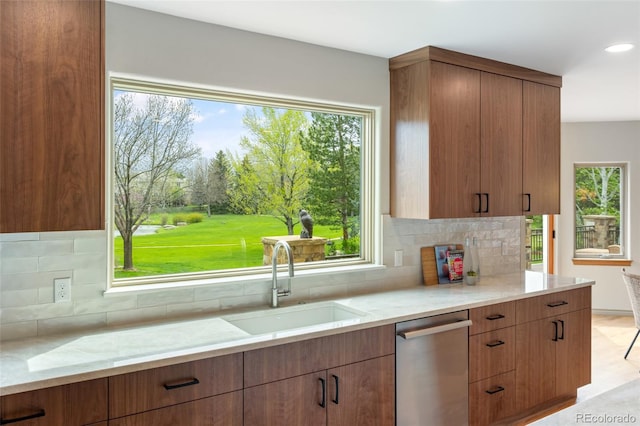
{"points": [[492, 342], [553, 347], [461, 127], [335, 380], [68, 405], [173, 386], [52, 115], [541, 148]]}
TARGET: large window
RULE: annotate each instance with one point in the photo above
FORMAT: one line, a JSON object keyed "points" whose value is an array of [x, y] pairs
{"points": [[600, 210], [204, 182]]}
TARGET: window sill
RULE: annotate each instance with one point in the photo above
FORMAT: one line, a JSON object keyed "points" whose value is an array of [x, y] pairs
{"points": [[601, 262], [120, 290]]}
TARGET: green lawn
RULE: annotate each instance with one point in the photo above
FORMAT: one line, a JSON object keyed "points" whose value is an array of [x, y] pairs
{"points": [[218, 242]]}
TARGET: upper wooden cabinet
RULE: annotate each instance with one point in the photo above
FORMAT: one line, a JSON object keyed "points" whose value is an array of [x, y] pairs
{"points": [[51, 115], [472, 137]]}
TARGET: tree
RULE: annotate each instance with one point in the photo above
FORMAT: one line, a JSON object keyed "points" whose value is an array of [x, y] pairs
{"points": [[150, 145], [199, 182], [597, 191], [333, 143], [218, 183], [273, 176]]}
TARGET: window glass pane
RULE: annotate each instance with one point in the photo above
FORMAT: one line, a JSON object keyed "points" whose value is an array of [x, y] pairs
{"points": [[599, 217], [207, 185]]}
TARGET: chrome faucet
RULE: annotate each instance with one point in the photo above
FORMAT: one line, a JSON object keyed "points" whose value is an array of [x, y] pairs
{"points": [[275, 292]]}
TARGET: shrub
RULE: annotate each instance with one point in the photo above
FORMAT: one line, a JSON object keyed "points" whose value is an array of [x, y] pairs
{"points": [[164, 219], [194, 218], [179, 217]]}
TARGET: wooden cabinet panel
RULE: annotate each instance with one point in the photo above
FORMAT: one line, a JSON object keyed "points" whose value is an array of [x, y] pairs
{"points": [[535, 363], [552, 304], [52, 120], [363, 393], [69, 405], [492, 399], [501, 145], [454, 142], [161, 387], [221, 410], [573, 355], [492, 317], [491, 353], [541, 148], [293, 359], [295, 401]]}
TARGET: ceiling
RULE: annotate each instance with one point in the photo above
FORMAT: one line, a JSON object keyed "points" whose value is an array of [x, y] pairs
{"points": [[562, 37]]}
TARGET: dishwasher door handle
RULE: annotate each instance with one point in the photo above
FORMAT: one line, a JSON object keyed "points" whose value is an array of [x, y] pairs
{"points": [[434, 330]]}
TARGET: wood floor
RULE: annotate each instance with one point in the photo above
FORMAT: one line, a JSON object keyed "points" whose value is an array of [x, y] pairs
{"points": [[611, 337]]}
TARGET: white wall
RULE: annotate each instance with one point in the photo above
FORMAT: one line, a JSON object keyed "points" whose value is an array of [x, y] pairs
{"points": [[168, 48], [604, 142]]}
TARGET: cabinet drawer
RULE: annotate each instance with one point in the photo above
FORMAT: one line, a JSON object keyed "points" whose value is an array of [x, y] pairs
{"points": [[552, 304], [492, 317], [159, 387], [491, 353], [69, 405], [221, 410], [294, 359], [492, 399]]}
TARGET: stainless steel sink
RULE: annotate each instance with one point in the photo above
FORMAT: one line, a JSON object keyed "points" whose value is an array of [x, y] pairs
{"points": [[317, 316]]}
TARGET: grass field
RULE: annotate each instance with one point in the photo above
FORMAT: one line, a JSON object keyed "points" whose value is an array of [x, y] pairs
{"points": [[218, 242]]}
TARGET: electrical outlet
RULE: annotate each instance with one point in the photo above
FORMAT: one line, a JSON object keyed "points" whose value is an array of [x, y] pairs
{"points": [[398, 258], [62, 290]]}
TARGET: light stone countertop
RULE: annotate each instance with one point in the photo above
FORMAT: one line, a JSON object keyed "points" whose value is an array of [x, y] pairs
{"points": [[618, 406], [37, 363]]}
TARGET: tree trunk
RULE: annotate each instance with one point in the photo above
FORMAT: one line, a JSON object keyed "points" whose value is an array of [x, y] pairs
{"points": [[127, 242], [289, 224]]}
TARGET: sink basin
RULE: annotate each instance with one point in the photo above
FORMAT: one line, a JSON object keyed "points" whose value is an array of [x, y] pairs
{"points": [[318, 316]]}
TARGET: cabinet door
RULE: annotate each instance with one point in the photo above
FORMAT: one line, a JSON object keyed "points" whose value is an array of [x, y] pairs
{"points": [[69, 405], [573, 352], [535, 363], [221, 410], [501, 145], [362, 393], [52, 121], [300, 400], [454, 141], [541, 148]]}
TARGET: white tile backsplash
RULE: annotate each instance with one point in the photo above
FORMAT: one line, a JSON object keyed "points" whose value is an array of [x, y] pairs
{"points": [[30, 261]]}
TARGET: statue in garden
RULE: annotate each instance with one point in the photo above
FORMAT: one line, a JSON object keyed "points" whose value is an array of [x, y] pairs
{"points": [[307, 224]]}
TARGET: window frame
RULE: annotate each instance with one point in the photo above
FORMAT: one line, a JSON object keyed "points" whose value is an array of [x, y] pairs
{"points": [[618, 259], [369, 240]]}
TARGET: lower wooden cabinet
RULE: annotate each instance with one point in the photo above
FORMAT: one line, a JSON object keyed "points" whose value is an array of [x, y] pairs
{"points": [[356, 394], [492, 399], [75, 404], [220, 410]]}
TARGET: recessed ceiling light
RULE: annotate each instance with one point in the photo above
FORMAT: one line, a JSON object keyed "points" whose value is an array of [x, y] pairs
{"points": [[619, 47]]}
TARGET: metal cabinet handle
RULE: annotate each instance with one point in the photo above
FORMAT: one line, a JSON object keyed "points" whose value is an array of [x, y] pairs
{"points": [[479, 195], [40, 413], [555, 332], [335, 378], [323, 403], [486, 210], [556, 304], [191, 382], [496, 343], [495, 390], [495, 317], [562, 332], [528, 209], [435, 329]]}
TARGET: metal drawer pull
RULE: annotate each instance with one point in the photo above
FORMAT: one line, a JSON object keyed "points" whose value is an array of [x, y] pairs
{"points": [[496, 343], [495, 390], [323, 404], [556, 304], [191, 382], [335, 378], [435, 329], [21, 419], [495, 317]]}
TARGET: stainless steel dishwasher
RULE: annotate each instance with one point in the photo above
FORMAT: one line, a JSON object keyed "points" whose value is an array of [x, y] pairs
{"points": [[432, 370]]}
